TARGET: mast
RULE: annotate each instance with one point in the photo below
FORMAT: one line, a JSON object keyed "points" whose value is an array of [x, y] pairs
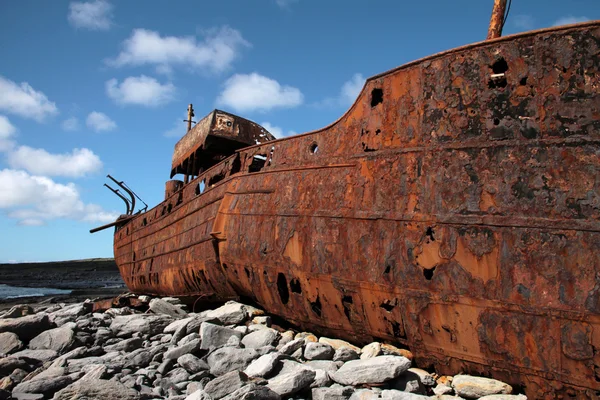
{"points": [[497, 20]]}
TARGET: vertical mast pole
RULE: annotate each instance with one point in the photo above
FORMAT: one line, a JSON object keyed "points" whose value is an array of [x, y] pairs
{"points": [[497, 20]]}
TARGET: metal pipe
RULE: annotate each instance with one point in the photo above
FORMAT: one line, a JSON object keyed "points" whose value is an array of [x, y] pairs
{"points": [[129, 211], [129, 192], [117, 222], [497, 19]]}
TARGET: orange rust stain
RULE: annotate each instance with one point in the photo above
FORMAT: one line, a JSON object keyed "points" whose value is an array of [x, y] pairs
{"points": [[293, 249], [484, 267]]}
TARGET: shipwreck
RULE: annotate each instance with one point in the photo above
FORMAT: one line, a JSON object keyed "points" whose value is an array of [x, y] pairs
{"points": [[454, 209]]}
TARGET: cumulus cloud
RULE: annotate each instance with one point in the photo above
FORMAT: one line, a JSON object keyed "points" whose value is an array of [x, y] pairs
{"points": [[277, 131], [33, 200], [100, 122], [141, 90], [215, 53], [25, 101], [523, 22], [7, 131], [250, 92], [570, 20], [78, 163], [93, 15], [70, 124], [348, 93]]}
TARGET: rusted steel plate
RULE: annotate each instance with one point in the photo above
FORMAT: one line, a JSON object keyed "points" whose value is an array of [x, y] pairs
{"points": [[455, 208]]}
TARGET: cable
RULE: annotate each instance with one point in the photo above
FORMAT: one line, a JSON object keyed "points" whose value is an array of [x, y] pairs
{"points": [[506, 14]]}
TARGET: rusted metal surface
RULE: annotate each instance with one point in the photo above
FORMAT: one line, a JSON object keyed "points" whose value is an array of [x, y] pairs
{"points": [[455, 209], [497, 19]]}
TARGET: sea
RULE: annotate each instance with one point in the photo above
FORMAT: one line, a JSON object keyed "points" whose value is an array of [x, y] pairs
{"points": [[13, 292]]}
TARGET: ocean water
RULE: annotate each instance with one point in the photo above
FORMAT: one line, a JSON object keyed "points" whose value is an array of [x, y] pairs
{"points": [[11, 292]]}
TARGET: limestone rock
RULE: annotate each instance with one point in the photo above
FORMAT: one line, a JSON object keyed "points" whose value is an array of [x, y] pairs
{"points": [[215, 336], [332, 393], [292, 382], [9, 364], [338, 344], [199, 395], [177, 324], [231, 313], [291, 347], [399, 395], [263, 366], [192, 364], [260, 338], [17, 311], [364, 394], [473, 387], [126, 345], [372, 370], [97, 389], [9, 343], [228, 359], [60, 340], [371, 350], [253, 392], [318, 351], [144, 324], [504, 397], [225, 384], [45, 386], [389, 350], [39, 355], [183, 349], [26, 328], [160, 306], [345, 354]]}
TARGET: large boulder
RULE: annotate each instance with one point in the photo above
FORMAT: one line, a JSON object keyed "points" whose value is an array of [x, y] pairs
{"points": [[45, 386], [227, 359], [215, 336], [260, 338], [231, 313], [60, 340], [263, 366], [177, 352], [160, 306], [371, 371], [292, 382], [36, 355], [145, 324], [474, 387], [70, 313], [97, 389], [192, 364], [26, 328], [9, 343], [225, 384], [318, 351]]}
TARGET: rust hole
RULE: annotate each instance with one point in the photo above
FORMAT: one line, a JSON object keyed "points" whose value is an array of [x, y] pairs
{"points": [[387, 269], [295, 286], [428, 273], [247, 272], [496, 121], [282, 288], [500, 66], [523, 81], [200, 188], [133, 256], [316, 306], [376, 97], [314, 148], [144, 222], [346, 300], [169, 207], [429, 233], [387, 305], [396, 330]]}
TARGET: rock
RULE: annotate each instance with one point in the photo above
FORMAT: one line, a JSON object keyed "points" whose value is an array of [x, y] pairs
{"points": [[364, 394], [371, 350], [307, 336], [183, 349], [231, 313], [94, 371], [26, 328], [188, 338], [263, 366], [225, 384], [332, 393], [441, 389], [389, 350], [60, 340], [126, 345], [260, 338], [9, 343], [145, 324], [253, 392], [160, 306], [372, 370], [345, 354], [192, 364], [27, 396], [215, 336], [177, 324], [326, 365], [292, 382], [228, 359], [262, 320], [75, 353], [75, 365], [70, 313], [291, 347], [318, 351], [198, 395], [339, 344], [399, 395], [45, 386], [473, 387], [17, 311], [408, 382], [504, 397], [40, 373], [426, 378], [39, 355], [178, 375], [285, 338], [165, 366], [97, 389]]}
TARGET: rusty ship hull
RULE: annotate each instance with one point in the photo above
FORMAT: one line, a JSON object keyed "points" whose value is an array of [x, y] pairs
{"points": [[454, 209]]}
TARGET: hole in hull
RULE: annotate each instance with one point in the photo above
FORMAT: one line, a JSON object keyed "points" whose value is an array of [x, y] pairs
{"points": [[282, 288], [316, 306]]}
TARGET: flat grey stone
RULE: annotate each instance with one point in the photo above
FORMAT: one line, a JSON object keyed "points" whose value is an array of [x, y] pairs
{"points": [[144, 324], [473, 387], [46, 386], [26, 328], [231, 313], [399, 395], [332, 393], [263, 366], [326, 365], [364, 394], [292, 382], [292, 346], [225, 384], [60, 340], [253, 392], [160, 306], [183, 349], [97, 389], [9, 343], [215, 336], [126, 345], [40, 355], [192, 364], [178, 375], [260, 338], [17, 311], [504, 397], [9, 364], [70, 313], [198, 395], [318, 351], [373, 370], [177, 324], [345, 354], [227, 359]]}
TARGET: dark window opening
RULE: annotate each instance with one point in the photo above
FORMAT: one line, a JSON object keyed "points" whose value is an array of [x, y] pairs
{"points": [[169, 207], [316, 306], [144, 222], [282, 288], [387, 305], [224, 266], [523, 81], [314, 148], [295, 286], [133, 256], [258, 162], [376, 97], [378, 131], [236, 166], [366, 147], [397, 331], [428, 273], [346, 300], [216, 178], [500, 66]]}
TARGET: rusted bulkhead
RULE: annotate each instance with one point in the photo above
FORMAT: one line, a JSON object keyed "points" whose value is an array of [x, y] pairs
{"points": [[455, 208]]}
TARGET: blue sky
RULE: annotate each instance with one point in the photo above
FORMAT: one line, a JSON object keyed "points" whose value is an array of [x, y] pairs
{"points": [[95, 87]]}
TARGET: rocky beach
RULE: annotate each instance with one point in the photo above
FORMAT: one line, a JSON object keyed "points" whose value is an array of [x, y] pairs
{"points": [[160, 350]]}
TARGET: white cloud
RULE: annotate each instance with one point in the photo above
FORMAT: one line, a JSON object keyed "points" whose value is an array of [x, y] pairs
{"points": [[351, 89], [70, 124], [277, 131], [33, 200], [142, 90], [7, 131], [38, 161], [25, 101], [256, 92], [523, 22], [219, 48], [570, 20], [178, 129], [94, 15], [100, 122]]}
